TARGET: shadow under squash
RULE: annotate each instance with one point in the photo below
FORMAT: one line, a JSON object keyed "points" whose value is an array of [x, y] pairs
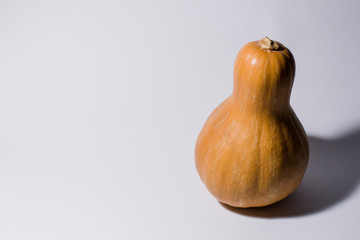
{"points": [[332, 175]]}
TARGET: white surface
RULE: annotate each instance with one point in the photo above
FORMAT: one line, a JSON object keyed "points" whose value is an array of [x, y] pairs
{"points": [[101, 103]]}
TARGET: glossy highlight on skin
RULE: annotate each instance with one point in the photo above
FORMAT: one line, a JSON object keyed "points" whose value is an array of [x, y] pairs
{"points": [[253, 151]]}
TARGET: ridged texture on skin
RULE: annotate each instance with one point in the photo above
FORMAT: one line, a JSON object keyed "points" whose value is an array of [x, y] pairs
{"points": [[252, 150]]}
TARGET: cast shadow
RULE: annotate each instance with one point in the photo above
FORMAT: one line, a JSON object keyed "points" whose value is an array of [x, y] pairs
{"points": [[332, 175]]}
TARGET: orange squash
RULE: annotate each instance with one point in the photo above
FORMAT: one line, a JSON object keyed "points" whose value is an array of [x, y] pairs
{"points": [[252, 150]]}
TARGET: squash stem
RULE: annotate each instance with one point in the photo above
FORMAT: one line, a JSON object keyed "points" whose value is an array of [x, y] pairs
{"points": [[268, 44]]}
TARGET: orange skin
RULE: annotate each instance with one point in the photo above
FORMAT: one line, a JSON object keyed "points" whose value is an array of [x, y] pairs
{"points": [[253, 150]]}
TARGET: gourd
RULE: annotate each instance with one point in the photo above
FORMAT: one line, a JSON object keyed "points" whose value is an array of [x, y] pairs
{"points": [[253, 151]]}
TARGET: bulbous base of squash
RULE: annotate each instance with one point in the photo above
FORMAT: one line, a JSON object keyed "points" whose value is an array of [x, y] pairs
{"points": [[251, 161]]}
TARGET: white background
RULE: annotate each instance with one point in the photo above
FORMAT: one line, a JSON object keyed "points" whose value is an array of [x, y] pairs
{"points": [[101, 103]]}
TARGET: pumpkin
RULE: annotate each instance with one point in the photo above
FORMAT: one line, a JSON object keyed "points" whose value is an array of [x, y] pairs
{"points": [[253, 151]]}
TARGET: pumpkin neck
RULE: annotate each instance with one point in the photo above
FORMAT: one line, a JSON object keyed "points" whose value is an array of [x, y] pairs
{"points": [[263, 76], [267, 99]]}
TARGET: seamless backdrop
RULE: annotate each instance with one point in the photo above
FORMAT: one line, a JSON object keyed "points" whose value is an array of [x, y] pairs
{"points": [[101, 103]]}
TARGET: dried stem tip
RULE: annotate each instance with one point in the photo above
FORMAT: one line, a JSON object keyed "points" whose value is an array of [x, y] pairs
{"points": [[268, 44]]}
